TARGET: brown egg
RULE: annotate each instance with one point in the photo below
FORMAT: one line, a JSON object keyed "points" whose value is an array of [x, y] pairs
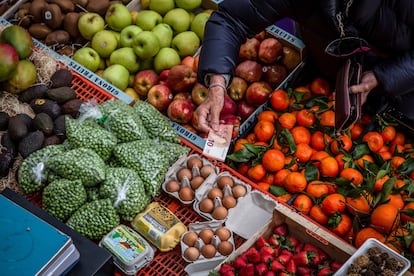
{"points": [[224, 180], [190, 238], [223, 233], [196, 182], [239, 191], [208, 251], [192, 254], [206, 205], [219, 213], [229, 202], [225, 248], [172, 186], [184, 172], [206, 170], [215, 192], [194, 161], [206, 235], [186, 194]]}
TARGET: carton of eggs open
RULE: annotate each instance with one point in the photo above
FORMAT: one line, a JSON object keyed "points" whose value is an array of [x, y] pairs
{"points": [[207, 240], [187, 175]]}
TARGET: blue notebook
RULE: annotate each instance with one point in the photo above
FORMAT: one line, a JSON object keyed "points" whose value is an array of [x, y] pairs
{"points": [[28, 245]]}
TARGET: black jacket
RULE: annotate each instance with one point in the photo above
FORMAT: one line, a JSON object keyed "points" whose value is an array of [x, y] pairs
{"points": [[386, 24]]}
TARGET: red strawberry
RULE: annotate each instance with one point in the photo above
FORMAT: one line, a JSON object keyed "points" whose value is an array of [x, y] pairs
{"points": [[267, 250], [304, 270], [284, 258], [298, 247], [335, 265], [270, 273], [273, 241], [276, 266], [240, 262], [310, 247], [277, 251], [248, 270], [284, 274], [226, 268], [322, 254], [286, 252], [291, 242], [260, 269], [325, 271], [316, 260], [261, 241], [281, 230], [253, 256], [228, 273], [291, 266], [267, 259], [303, 258]]}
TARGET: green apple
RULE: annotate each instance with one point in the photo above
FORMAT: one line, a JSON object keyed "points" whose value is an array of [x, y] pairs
{"points": [[147, 63], [89, 24], [88, 57], [161, 6], [179, 20], [188, 5], [118, 16], [126, 57], [117, 36], [118, 75], [147, 19], [198, 24], [146, 44], [164, 33], [186, 43], [104, 42], [127, 34], [165, 59]]}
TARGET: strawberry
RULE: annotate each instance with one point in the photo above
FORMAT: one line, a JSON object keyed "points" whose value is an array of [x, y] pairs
{"points": [[270, 273], [240, 262], [310, 247], [291, 242], [277, 251], [273, 241], [335, 265], [304, 258], [267, 259], [228, 273], [291, 267], [267, 250], [276, 266], [253, 256], [298, 247], [226, 268], [286, 252], [248, 270], [325, 271], [283, 273], [304, 270], [284, 258], [261, 241], [260, 269], [323, 256], [281, 230]]}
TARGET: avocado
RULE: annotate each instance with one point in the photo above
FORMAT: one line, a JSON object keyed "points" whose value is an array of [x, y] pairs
{"points": [[44, 123], [31, 143], [7, 143], [27, 120], [36, 91], [59, 126], [61, 94], [51, 140], [4, 120], [47, 106], [6, 162], [62, 77], [72, 107], [17, 128]]}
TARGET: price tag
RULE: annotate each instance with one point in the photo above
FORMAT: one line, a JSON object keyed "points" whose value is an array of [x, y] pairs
{"points": [[218, 143]]}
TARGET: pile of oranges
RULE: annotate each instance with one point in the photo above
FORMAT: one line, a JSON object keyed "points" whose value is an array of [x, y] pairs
{"points": [[357, 183]]}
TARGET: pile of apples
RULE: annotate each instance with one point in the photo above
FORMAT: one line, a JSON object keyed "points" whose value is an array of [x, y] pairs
{"points": [[263, 64], [123, 42]]}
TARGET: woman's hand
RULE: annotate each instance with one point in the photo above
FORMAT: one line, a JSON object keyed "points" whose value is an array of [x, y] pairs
{"points": [[368, 82]]}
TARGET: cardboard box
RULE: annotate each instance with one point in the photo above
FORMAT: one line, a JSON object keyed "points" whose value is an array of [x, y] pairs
{"points": [[304, 230]]}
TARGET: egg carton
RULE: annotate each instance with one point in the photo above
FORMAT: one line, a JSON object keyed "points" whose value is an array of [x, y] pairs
{"points": [[197, 228], [204, 190], [181, 163]]}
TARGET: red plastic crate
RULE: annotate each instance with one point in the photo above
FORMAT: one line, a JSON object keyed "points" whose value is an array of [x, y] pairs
{"points": [[86, 90]]}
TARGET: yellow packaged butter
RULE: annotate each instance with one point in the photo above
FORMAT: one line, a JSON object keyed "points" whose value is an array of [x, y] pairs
{"points": [[159, 226]]}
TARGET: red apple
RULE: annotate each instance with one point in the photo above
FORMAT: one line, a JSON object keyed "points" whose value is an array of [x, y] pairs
{"points": [[180, 111], [229, 106], [260, 36], [257, 93], [249, 49], [144, 80], [274, 74], [160, 96], [199, 93], [231, 119], [188, 60], [237, 89], [244, 110], [181, 78], [249, 70], [183, 95], [270, 50], [163, 77]]}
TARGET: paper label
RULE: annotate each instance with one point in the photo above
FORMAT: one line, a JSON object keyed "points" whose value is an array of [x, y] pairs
{"points": [[218, 143]]}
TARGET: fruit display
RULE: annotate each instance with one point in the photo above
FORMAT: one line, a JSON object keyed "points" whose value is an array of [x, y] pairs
{"points": [[356, 183]]}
